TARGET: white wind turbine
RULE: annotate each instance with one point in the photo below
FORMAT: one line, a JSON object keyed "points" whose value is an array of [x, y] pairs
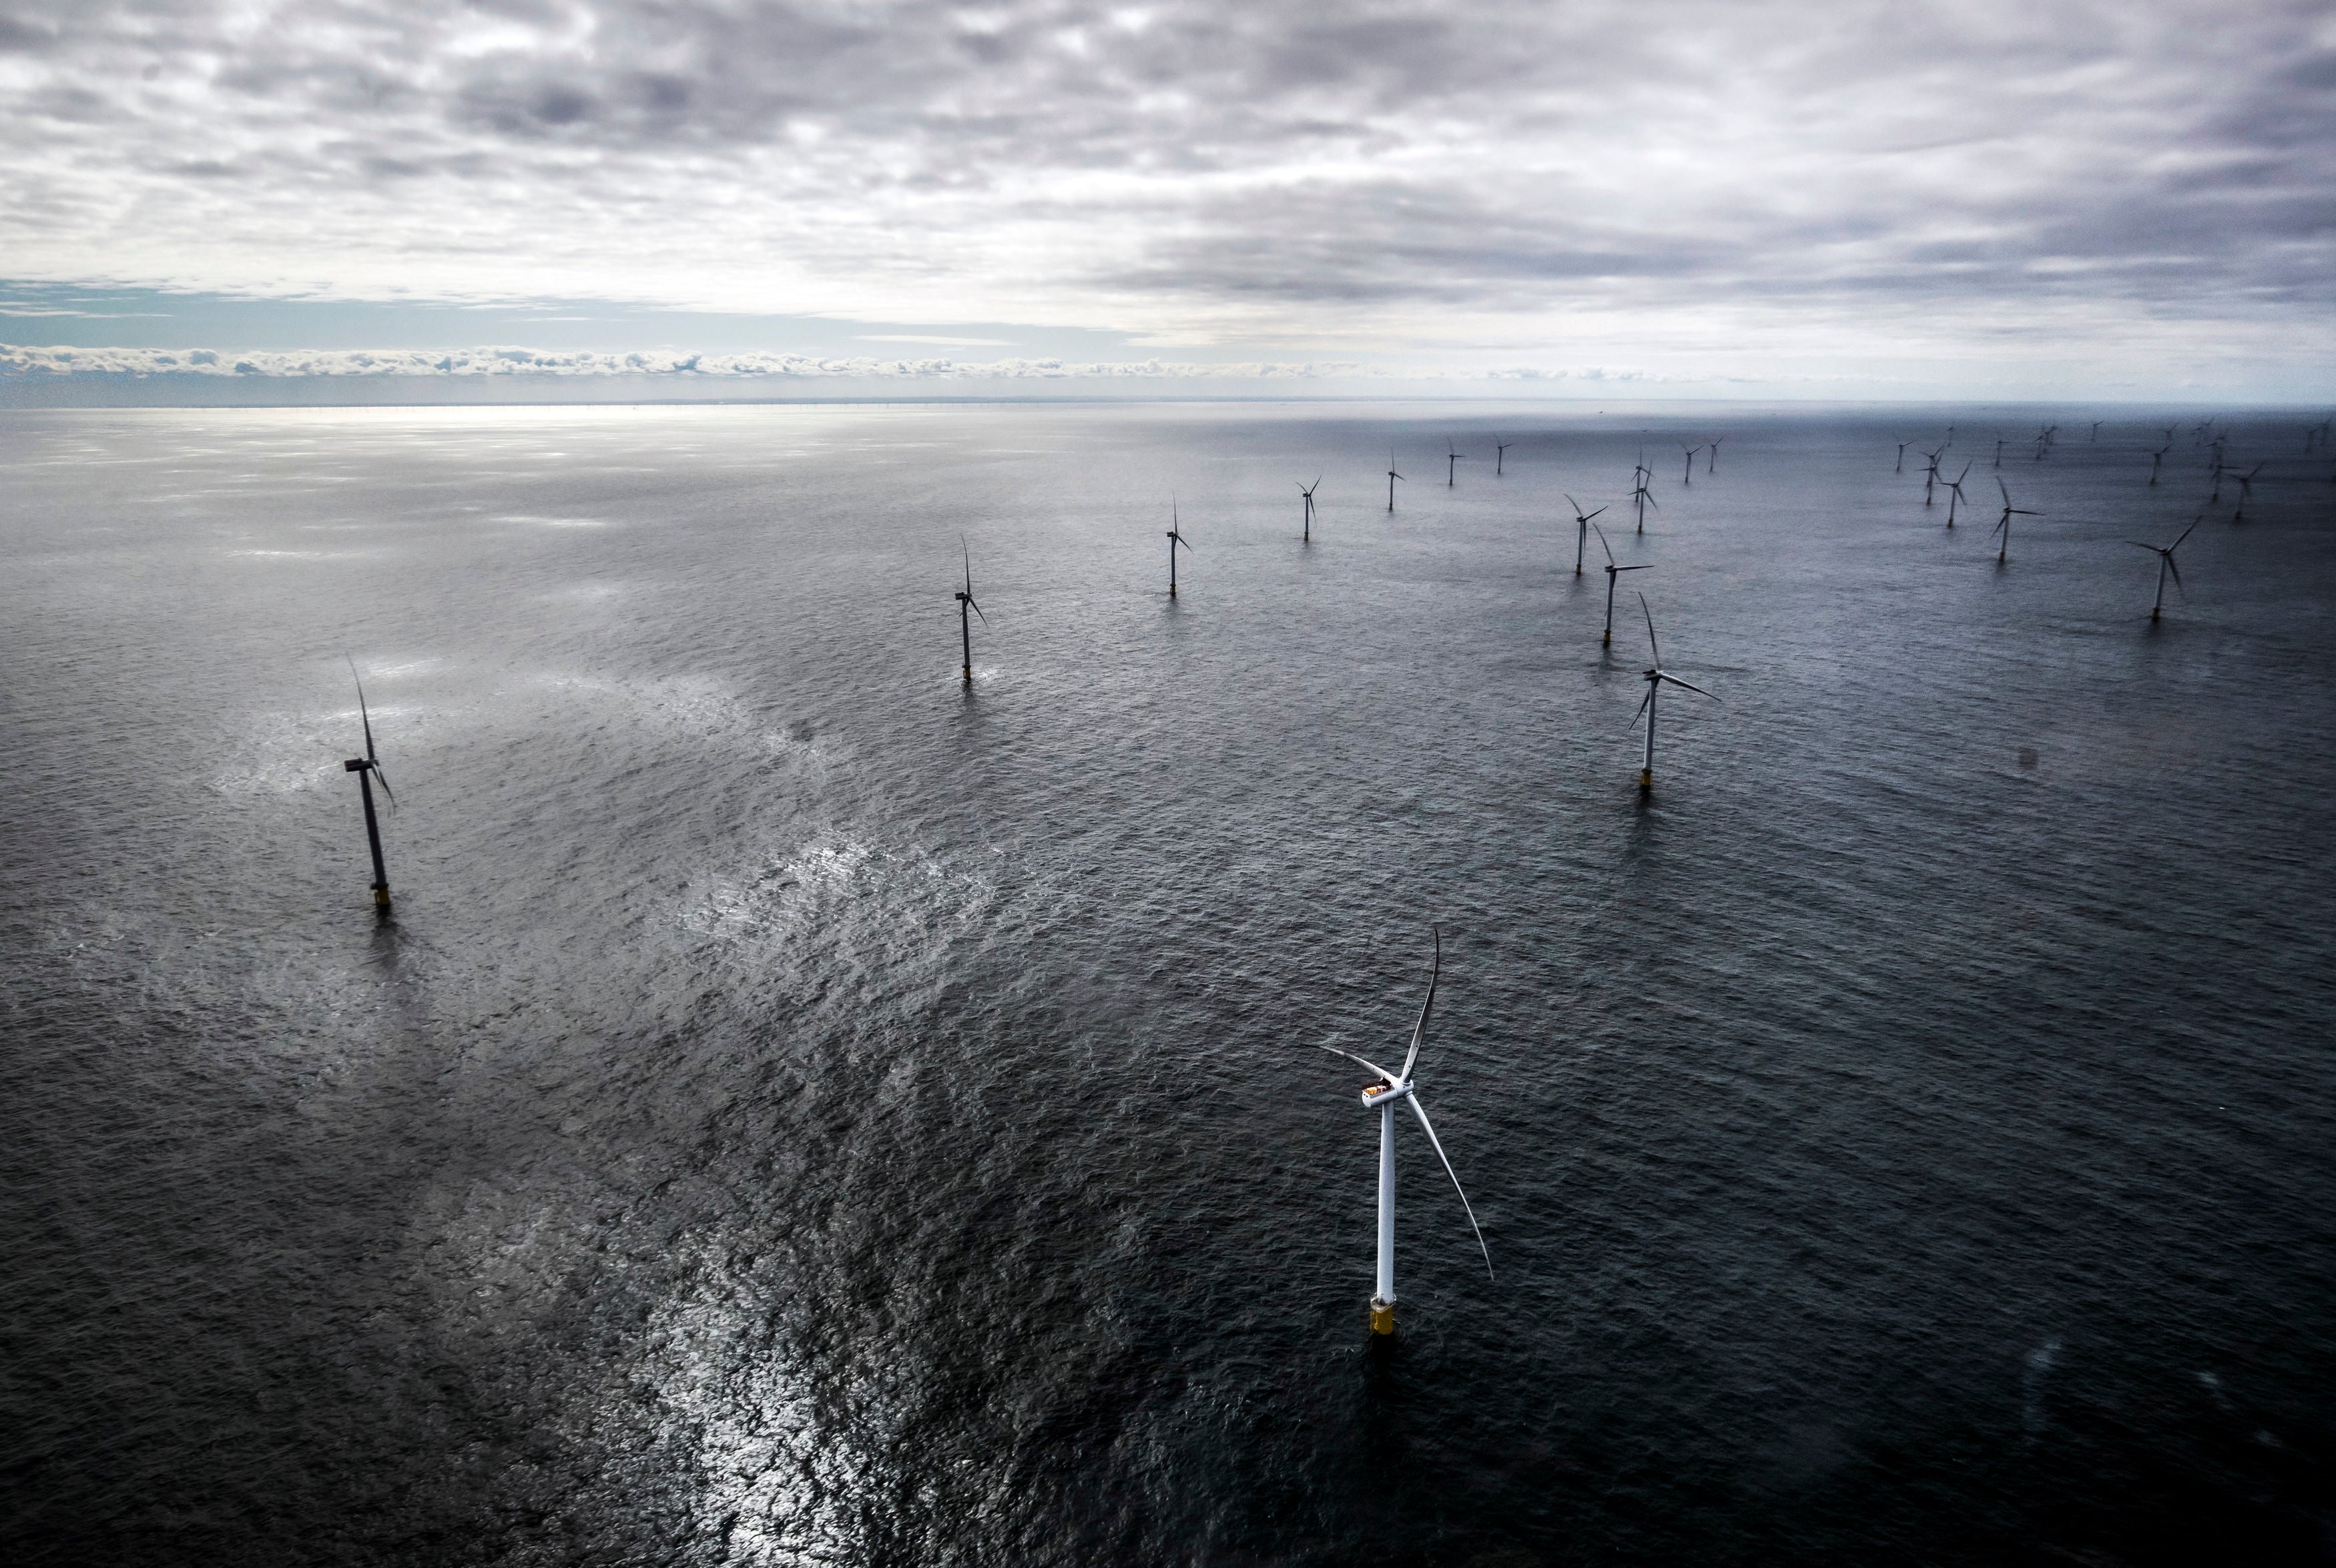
{"points": [[1382, 1096]]}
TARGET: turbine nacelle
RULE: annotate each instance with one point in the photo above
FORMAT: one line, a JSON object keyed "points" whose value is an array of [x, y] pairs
{"points": [[1385, 1093]]}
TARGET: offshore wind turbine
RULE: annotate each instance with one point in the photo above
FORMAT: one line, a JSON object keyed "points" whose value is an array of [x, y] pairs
{"points": [[1931, 473], [1612, 572], [2156, 457], [1999, 451], [1501, 457], [1175, 538], [2165, 563], [1901, 467], [1381, 1095], [1711, 455], [367, 767], [2246, 491], [1655, 677], [1392, 477], [965, 603], [1955, 493], [1688, 476], [1455, 457], [1644, 497], [2003, 523], [1308, 491], [1580, 530]]}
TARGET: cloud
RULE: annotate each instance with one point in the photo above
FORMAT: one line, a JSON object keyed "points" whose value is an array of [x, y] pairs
{"points": [[1382, 176], [942, 342], [22, 361]]}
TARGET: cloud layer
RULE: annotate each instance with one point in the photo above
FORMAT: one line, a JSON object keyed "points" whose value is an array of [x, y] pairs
{"points": [[2046, 180], [19, 361]]}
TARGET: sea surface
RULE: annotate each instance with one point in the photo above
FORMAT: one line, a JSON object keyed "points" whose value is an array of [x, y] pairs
{"points": [[807, 1110]]}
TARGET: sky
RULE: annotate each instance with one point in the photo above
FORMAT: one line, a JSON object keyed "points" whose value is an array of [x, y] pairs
{"points": [[1833, 201]]}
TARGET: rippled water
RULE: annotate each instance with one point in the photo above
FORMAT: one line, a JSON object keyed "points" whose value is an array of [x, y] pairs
{"points": [[805, 1112]]}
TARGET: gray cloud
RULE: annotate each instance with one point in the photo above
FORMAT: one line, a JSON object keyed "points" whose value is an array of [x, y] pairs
{"points": [[20, 361], [1398, 175]]}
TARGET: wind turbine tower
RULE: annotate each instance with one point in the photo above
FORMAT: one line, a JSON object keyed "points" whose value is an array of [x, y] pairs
{"points": [[1655, 676], [1580, 531], [1175, 538], [1381, 1095], [964, 622], [367, 767], [1612, 572]]}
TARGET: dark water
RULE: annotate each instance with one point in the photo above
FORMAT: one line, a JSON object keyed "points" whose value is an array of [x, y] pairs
{"points": [[804, 1113]]}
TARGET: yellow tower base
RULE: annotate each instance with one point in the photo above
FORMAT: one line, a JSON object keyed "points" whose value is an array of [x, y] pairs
{"points": [[381, 898], [1382, 1316], [1646, 778]]}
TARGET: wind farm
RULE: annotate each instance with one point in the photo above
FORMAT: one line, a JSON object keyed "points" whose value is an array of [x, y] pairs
{"points": [[763, 1092], [719, 918]]}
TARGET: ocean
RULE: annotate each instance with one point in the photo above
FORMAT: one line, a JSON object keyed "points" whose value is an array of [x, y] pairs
{"points": [[806, 1109]]}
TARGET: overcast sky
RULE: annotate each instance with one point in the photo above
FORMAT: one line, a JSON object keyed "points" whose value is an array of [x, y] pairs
{"points": [[1851, 198]]}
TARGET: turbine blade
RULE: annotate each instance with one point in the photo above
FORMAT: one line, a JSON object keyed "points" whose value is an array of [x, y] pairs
{"points": [[975, 609], [1419, 1030], [2170, 566], [1594, 514], [1690, 685], [2185, 534], [2007, 494], [364, 715], [382, 780], [1428, 1127], [1653, 646], [1646, 566], [1602, 544], [1642, 705], [1350, 1056]]}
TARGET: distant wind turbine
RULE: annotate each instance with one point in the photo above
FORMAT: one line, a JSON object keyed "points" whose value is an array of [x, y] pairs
{"points": [[1580, 530], [1902, 457], [1392, 477], [1452, 467], [1688, 476], [1381, 1095], [367, 767], [1711, 455], [2003, 523], [1655, 677], [1501, 457], [2156, 457], [1643, 498], [1308, 491], [1612, 572], [965, 603], [1175, 538], [2165, 553], [2246, 491], [1931, 476], [1955, 493]]}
